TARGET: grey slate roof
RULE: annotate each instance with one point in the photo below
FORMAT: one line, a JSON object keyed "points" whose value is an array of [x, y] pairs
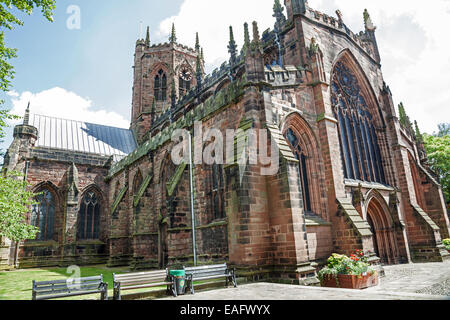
{"points": [[80, 136]]}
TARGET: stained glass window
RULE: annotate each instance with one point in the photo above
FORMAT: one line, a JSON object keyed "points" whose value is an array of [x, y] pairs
{"points": [[43, 215], [359, 143], [160, 87], [302, 158], [89, 217]]}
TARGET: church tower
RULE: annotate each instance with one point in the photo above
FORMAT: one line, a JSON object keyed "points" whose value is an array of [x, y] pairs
{"points": [[163, 74]]}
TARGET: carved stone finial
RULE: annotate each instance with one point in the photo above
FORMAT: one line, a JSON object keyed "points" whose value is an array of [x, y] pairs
{"points": [[368, 21], [340, 15]]}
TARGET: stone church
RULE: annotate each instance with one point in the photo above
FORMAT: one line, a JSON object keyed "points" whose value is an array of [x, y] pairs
{"points": [[350, 175]]}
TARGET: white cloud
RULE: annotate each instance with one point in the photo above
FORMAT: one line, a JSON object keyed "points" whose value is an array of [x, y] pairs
{"points": [[12, 93], [211, 19], [60, 103], [411, 36]]}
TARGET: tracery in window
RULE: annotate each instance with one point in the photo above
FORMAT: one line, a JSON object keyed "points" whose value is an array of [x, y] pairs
{"points": [[43, 215], [302, 158], [160, 87], [89, 217], [359, 143]]}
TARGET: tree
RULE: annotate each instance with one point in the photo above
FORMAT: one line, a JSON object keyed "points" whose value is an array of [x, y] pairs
{"points": [[437, 147], [7, 21], [15, 200], [15, 203]]}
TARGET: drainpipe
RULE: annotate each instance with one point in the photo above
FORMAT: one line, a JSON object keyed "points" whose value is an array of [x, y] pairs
{"points": [[194, 245]]}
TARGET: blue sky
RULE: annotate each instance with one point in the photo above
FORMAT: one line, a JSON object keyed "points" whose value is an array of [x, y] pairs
{"points": [[94, 61], [86, 74]]}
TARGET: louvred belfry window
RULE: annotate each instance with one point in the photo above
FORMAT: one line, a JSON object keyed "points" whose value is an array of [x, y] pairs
{"points": [[43, 215], [360, 150], [89, 217], [160, 87]]}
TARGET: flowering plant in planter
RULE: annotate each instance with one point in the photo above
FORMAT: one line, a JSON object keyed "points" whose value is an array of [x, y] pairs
{"points": [[446, 243], [339, 266]]}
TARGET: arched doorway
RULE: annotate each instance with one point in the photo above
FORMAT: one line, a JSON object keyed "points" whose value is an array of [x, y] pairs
{"points": [[384, 238]]}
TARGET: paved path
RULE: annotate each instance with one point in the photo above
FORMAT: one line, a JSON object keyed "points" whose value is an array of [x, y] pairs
{"points": [[402, 282]]}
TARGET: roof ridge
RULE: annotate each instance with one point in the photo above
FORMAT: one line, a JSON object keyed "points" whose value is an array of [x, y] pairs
{"points": [[72, 120]]}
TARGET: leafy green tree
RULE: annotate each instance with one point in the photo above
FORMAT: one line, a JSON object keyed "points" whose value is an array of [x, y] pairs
{"points": [[15, 202], [437, 147]]}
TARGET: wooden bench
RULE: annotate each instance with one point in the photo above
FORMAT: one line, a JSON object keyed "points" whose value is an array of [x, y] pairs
{"points": [[46, 290], [132, 281], [209, 272]]}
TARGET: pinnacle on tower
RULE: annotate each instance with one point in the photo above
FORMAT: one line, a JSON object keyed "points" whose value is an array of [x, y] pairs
{"points": [[147, 39], [197, 43], [278, 15], [232, 47], [246, 38], [202, 57], [173, 35]]}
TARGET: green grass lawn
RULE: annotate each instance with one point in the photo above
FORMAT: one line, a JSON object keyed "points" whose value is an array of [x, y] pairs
{"points": [[17, 285]]}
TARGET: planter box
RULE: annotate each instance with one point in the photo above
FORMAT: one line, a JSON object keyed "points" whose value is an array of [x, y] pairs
{"points": [[349, 282]]}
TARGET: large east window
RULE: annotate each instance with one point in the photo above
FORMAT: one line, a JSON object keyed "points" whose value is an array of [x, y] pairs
{"points": [[359, 143]]}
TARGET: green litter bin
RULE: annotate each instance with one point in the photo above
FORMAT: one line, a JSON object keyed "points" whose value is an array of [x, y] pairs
{"points": [[180, 280]]}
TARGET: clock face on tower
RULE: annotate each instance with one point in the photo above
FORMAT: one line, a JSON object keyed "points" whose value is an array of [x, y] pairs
{"points": [[185, 74]]}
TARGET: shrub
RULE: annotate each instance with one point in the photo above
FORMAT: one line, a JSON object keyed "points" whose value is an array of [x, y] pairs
{"points": [[355, 265], [446, 243]]}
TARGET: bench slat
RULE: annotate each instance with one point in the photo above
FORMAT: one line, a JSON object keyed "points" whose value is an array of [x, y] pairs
{"points": [[68, 288], [141, 274], [64, 291], [56, 296], [207, 267], [67, 284], [117, 279], [145, 286], [44, 283], [132, 282], [207, 272]]}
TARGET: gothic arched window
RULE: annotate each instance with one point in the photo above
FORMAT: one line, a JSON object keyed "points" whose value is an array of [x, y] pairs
{"points": [[160, 87], [136, 185], [43, 215], [359, 144], [217, 192], [301, 157], [89, 217]]}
